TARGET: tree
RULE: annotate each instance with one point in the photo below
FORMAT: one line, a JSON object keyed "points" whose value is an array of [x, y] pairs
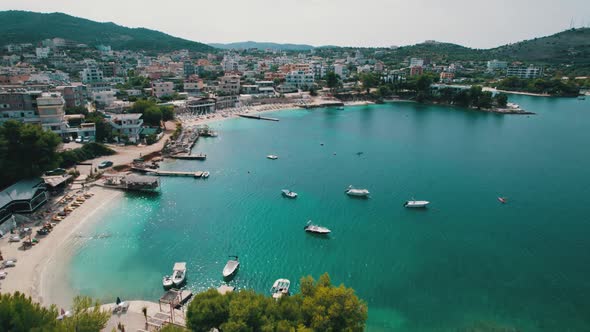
{"points": [[167, 113], [369, 80], [19, 313], [152, 116], [501, 99], [207, 310], [87, 316], [26, 151], [332, 80]]}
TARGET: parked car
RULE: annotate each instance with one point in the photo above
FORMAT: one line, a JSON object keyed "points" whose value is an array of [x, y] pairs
{"points": [[105, 164], [86, 140], [78, 139]]}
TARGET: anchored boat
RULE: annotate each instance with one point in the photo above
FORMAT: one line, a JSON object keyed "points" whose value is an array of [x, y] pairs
{"points": [[416, 204], [351, 191], [231, 267], [311, 228], [280, 288], [179, 274], [272, 157], [289, 193]]}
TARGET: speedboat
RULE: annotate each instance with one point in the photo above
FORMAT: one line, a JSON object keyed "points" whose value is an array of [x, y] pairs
{"points": [[416, 204], [179, 274], [289, 193], [205, 174], [341, 107], [280, 288], [357, 192], [231, 267], [272, 157], [311, 228], [502, 200], [167, 282]]}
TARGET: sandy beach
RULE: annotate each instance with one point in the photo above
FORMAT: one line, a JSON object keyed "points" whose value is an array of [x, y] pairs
{"points": [[40, 271]]}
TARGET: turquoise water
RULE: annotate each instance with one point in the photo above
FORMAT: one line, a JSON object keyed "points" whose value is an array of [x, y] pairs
{"points": [[467, 260]]}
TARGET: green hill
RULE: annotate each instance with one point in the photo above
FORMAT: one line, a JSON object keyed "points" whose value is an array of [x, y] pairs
{"points": [[30, 27], [570, 46]]}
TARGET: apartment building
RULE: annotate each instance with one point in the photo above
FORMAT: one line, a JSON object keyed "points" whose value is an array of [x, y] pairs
{"points": [[126, 124], [229, 84], [161, 89], [524, 72], [74, 95], [300, 79]]}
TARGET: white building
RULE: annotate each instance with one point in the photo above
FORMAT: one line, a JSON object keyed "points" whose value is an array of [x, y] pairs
{"points": [[91, 74], [42, 52], [415, 62], [161, 89], [497, 65], [126, 124], [299, 79], [229, 84], [104, 98], [524, 72], [192, 88], [341, 70]]}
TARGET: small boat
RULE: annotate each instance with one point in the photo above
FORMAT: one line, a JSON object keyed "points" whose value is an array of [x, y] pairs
{"points": [[42, 231], [288, 193], [179, 274], [272, 157], [341, 107], [416, 204], [357, 192], [502, 200], [311, 228], [205, 175], [582, 97], [231, 267], [280, 288], [167, 282]]}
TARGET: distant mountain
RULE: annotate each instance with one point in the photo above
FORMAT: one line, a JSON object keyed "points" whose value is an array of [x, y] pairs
{"points": [[263, 46], [30, 27]]}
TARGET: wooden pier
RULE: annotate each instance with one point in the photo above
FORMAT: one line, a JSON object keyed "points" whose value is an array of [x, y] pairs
{"points": [[257, 117]]}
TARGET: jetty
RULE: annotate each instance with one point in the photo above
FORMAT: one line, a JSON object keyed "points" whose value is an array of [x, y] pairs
{"points": [[185, 156], [257, 117], [195, 174]]}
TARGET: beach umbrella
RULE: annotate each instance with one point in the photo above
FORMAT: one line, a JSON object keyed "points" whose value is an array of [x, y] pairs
{"points": [[118, 300]]}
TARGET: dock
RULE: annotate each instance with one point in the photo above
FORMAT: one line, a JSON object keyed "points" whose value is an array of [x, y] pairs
{"points": [[195, 174], [185, 156], [257, 117]]}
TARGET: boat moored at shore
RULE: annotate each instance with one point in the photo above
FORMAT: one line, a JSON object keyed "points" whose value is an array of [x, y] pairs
{"points": [[179, 274], [231, 267], [280, 288]]}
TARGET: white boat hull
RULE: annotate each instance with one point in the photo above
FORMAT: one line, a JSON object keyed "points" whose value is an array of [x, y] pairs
{"points": [[416, 204]]}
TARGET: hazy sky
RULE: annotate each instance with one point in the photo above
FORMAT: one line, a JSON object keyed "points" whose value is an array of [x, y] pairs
{"points": [[472, 23]]}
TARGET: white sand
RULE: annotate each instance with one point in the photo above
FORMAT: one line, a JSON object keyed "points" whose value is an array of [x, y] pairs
{"points": [[41, 270]]}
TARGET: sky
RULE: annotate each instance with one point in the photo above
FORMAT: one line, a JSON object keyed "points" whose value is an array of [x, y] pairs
{"points": [[473, 23]]}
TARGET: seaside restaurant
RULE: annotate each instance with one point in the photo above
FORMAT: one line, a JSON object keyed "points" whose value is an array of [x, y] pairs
{"points": [[24, 196]]}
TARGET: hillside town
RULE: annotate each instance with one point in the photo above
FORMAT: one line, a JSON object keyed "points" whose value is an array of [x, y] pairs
{"points": [[57, 82]]}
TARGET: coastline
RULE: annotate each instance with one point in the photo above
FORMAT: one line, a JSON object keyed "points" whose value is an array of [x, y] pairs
{"points": [[41, 271]]}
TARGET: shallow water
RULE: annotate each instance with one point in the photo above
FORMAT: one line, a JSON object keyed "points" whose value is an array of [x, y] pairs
{"points": [[467, 260]]}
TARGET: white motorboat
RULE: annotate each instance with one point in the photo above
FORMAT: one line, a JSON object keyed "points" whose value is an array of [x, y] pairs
{"points": [[357, 192], [179, 274], [341, 107], [289, 193], [167, 282], [205, 174], [272, 157], [280, 288], [311, 228], [231, 267], [416, 204]]}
